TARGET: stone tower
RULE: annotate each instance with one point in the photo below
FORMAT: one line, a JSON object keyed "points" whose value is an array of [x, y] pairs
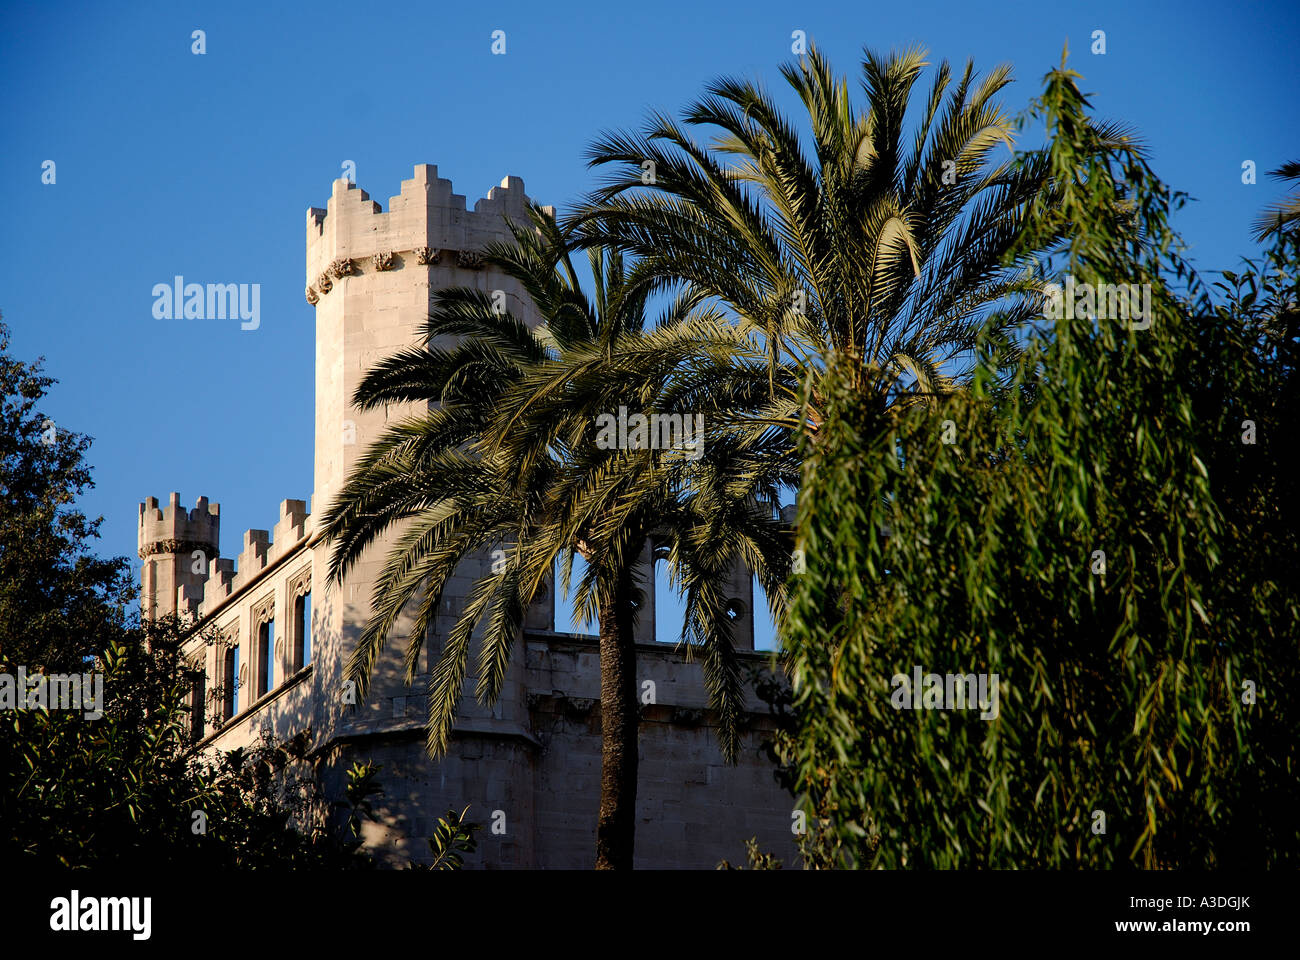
{"points": [[175, 547], [372, 276]]}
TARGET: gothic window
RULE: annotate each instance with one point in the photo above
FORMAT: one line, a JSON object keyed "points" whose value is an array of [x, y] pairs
{"points": [[263, 665], [229, 676], [265, 657], [300, 626], [302, 631], [198, 698]]}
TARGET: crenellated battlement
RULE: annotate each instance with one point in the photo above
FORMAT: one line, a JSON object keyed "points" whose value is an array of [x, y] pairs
{"points": [[425, 223], [290, 527], [253, 558], [189, 601], [173, 529], [261, 549], [220, 583], [195, 578]]}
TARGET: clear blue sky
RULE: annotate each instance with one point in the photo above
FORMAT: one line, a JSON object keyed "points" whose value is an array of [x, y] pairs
{"points": [[170, 163]]}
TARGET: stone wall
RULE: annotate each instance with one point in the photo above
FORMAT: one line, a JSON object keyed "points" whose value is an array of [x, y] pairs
{"points": [[541, 781]]}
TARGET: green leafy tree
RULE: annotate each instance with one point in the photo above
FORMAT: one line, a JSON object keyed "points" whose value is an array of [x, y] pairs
{"points": [[58, 602], [1112, 534], [130, 787], [127, 786]]}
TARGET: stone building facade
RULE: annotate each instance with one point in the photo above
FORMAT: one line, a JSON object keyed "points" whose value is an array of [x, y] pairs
{"points": [[529, 767]]}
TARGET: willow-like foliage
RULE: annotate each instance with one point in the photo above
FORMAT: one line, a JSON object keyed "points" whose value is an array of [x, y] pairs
{"points": [[1112, 534]]}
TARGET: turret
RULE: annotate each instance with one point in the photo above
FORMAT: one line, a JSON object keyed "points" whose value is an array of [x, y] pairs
{"points": [[371, 276], [176, 546]]}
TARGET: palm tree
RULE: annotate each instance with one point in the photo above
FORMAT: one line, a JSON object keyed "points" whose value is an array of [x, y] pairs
{"points": [[891, 252], [1279, 215], [505, 458]]}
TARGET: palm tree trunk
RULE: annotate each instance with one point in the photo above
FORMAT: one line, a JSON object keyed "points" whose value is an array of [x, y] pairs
{"points": [[616, 828]]}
